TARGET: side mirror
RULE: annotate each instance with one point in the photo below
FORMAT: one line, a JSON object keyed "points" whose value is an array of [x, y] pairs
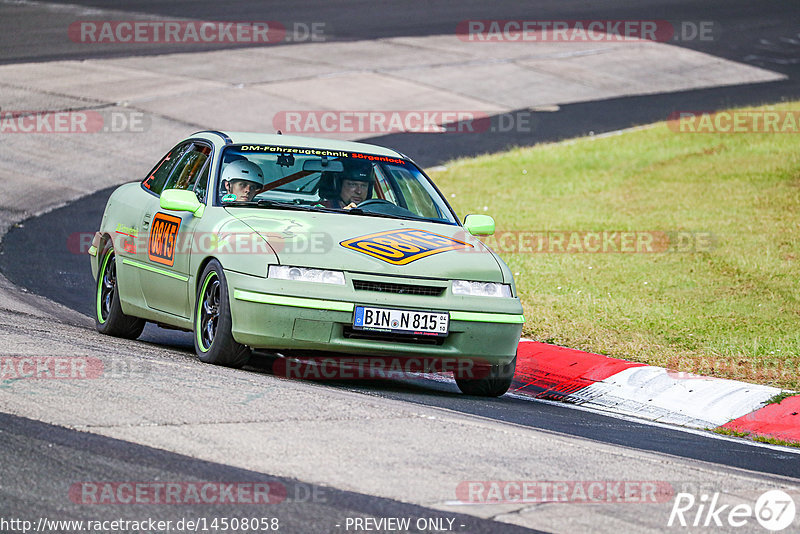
{"points": [[181, 200], [479, 224]]}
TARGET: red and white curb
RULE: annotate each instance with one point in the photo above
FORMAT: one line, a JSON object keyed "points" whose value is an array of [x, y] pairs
{"points": [[652, 393]]}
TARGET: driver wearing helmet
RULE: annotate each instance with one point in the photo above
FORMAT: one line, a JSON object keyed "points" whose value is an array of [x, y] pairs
{"points": [[353, 187], [242, 179]]}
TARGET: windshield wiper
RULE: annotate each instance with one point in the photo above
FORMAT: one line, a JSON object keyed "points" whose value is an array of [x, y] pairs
{"points": [[266, 203], [359, 211]]}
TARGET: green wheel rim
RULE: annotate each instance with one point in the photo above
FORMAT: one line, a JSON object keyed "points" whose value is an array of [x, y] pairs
{"points": [[106, 287], [207, 313]]}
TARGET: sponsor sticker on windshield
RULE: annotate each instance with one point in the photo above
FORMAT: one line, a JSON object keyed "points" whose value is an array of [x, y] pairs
{"points": [[163, 237], [401, 247]]}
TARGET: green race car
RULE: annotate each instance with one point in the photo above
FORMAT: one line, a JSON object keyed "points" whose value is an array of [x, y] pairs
{"points": [[256, 241]]}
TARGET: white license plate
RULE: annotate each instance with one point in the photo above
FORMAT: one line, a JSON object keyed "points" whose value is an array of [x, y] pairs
{"points": [[401, 321]]}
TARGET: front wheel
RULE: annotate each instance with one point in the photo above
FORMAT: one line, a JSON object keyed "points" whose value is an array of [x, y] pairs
{"points": [[213, 341], [108, 317], [496, 382]]}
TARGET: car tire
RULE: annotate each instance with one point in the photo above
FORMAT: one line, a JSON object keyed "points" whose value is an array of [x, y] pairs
{"points": [[108, 317], [496, 382], [213, 340]]}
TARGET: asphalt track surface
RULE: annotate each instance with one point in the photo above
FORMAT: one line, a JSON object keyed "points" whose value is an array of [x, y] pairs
{"points": [[761, 33], [53, 239], [49, 454]]}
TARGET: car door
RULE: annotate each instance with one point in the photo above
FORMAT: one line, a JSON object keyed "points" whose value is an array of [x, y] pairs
{"points": [[171, 234]]}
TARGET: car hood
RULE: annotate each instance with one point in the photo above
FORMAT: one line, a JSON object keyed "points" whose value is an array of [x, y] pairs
{"points": [[349, 243]]}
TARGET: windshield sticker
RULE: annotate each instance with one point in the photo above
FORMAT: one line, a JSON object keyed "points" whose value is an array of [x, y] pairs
{"points": [[294, 150], [287, 151], [401, 247], [163, 236], [370, 157], [230, 197]]}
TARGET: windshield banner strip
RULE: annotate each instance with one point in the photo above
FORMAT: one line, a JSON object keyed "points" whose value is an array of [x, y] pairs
{"points": [[487, 317], [296, 302], [321, 152]]}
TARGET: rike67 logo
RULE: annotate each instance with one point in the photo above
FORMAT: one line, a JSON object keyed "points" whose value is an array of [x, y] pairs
{"points": [[774, 510]]}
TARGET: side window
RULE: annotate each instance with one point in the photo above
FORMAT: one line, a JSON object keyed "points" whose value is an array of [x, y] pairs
{"points": [[158, 176], [384, 189], [202, 183], [415, 197], [189, 169]]}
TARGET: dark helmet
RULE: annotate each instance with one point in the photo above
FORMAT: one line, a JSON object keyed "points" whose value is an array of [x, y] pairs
{"points": [[358, 170], [330, 183]]}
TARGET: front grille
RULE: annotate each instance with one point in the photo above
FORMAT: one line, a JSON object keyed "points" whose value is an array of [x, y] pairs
{"points": [[402, 289], [351, 333]]}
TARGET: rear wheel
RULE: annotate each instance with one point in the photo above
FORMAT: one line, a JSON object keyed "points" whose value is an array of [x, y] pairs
{"points": [[109, 318], [213, 341], [496, 382]]}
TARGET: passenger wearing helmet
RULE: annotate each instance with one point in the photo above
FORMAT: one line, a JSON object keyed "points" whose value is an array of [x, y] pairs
{"points": [[351, 187], [241, 179]]}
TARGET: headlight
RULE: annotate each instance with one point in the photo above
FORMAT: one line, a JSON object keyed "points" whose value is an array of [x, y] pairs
{"points": [[286, 272], [481, 289]]}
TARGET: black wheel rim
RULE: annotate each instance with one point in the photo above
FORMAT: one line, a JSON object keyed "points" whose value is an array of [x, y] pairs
{"points": [[108, 287], [209, 312]]}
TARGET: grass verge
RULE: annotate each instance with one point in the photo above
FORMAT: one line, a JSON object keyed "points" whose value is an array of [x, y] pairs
{"points": [[755, 437], [717, 292]]}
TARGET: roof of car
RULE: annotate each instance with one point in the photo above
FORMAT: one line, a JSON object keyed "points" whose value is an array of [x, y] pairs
{"points": [[245, 138]]}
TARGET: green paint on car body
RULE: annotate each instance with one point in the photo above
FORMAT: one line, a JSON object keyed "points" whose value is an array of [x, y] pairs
{"points": [[297, 302], [247, 239], [146, 267], [479, 317]]}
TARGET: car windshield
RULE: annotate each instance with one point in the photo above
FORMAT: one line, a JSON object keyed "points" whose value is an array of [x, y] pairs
{"points": [[328, 180]]}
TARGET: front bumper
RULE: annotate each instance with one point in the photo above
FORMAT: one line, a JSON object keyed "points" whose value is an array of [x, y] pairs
{"points": [[286, 315]]}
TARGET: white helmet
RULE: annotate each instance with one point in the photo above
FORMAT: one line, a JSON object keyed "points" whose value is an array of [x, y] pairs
{"points": [[243, 170]]}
